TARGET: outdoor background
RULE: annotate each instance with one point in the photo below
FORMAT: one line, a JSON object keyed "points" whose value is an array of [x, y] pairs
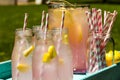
{"points": [[12, 17]]}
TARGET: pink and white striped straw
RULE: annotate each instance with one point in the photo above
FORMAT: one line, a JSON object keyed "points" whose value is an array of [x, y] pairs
{"points": [[43, 18], [46, 26], [111, 24], [105, 17], [108, 22], [93, 60], [25, 21], [94, 19], [97, 60], [99, 20], [88, 14], [62, 22]]}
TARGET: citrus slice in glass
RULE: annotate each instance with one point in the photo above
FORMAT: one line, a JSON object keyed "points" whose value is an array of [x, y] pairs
{"points": [[28, 51], [52, 51], [23, 67], [46, 57]]}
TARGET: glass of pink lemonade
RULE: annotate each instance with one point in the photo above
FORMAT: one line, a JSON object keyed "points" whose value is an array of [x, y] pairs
{"points": [[44, 58], [61, 42], [76, 22], [22, 55]]}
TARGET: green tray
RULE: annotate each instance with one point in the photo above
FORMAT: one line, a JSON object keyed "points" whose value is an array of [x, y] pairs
{"points": [[108, 73]]}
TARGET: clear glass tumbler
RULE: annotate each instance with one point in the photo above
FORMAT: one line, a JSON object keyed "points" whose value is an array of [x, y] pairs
{"points": [[45, 60], [22, 55], [65, 58], [97, 46]]}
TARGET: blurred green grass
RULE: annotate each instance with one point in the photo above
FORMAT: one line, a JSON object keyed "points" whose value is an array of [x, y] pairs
{"points": [[11, 17]]}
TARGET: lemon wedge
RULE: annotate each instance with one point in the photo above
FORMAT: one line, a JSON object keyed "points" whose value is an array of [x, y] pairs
{"points": [[65, 39], [109, 57], [46, 57], [52, 51], [23, 67], [28, 51]]}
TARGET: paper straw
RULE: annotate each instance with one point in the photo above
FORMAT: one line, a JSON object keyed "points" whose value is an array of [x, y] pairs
{"points": [[100, 34], [93, 60], [25, 21], [108, 22], [105, 17], [108, 28], [111, 24], [115, 13], [62, 22], [94, 19], [46, 26], [88, 14], [94, 55], [99, 20], [43, 18]]}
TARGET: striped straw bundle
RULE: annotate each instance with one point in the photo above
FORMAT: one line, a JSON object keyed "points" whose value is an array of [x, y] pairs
{"points": [[99, 35]]}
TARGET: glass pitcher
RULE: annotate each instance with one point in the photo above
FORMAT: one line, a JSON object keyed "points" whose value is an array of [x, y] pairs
{"points": [[76, 22], [22, 55]]}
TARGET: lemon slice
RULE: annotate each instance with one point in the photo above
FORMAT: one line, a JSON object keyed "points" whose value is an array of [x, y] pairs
{"points": [[46, 57], [109, 57], [65, 39], [23, 67], [28, 51], [52, 51]]}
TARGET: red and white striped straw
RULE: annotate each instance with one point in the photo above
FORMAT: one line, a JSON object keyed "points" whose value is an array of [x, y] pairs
{"points": [[88, 14], [108, 22], [62, 22], [111, 24], [99, 22], [92, 54], [46, 26], [105, 17], [25, 21], [94, 60], [94, 19], [97, 52], [115, 13], [43, 18]]}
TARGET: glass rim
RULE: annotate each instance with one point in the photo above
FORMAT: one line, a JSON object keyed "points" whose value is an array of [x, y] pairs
{"points": [[27, 31], [21, 29], [59, 5]]}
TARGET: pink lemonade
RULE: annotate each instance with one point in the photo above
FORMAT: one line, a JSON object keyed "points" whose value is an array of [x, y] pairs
{"points": [[44, 59], [22, 55], [65, 70], [76, 22]]}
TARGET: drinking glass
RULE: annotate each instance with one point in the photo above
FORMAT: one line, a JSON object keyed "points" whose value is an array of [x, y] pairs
{"points": [[45, 59], [65, 59], [22, 55], [97, 46]]}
